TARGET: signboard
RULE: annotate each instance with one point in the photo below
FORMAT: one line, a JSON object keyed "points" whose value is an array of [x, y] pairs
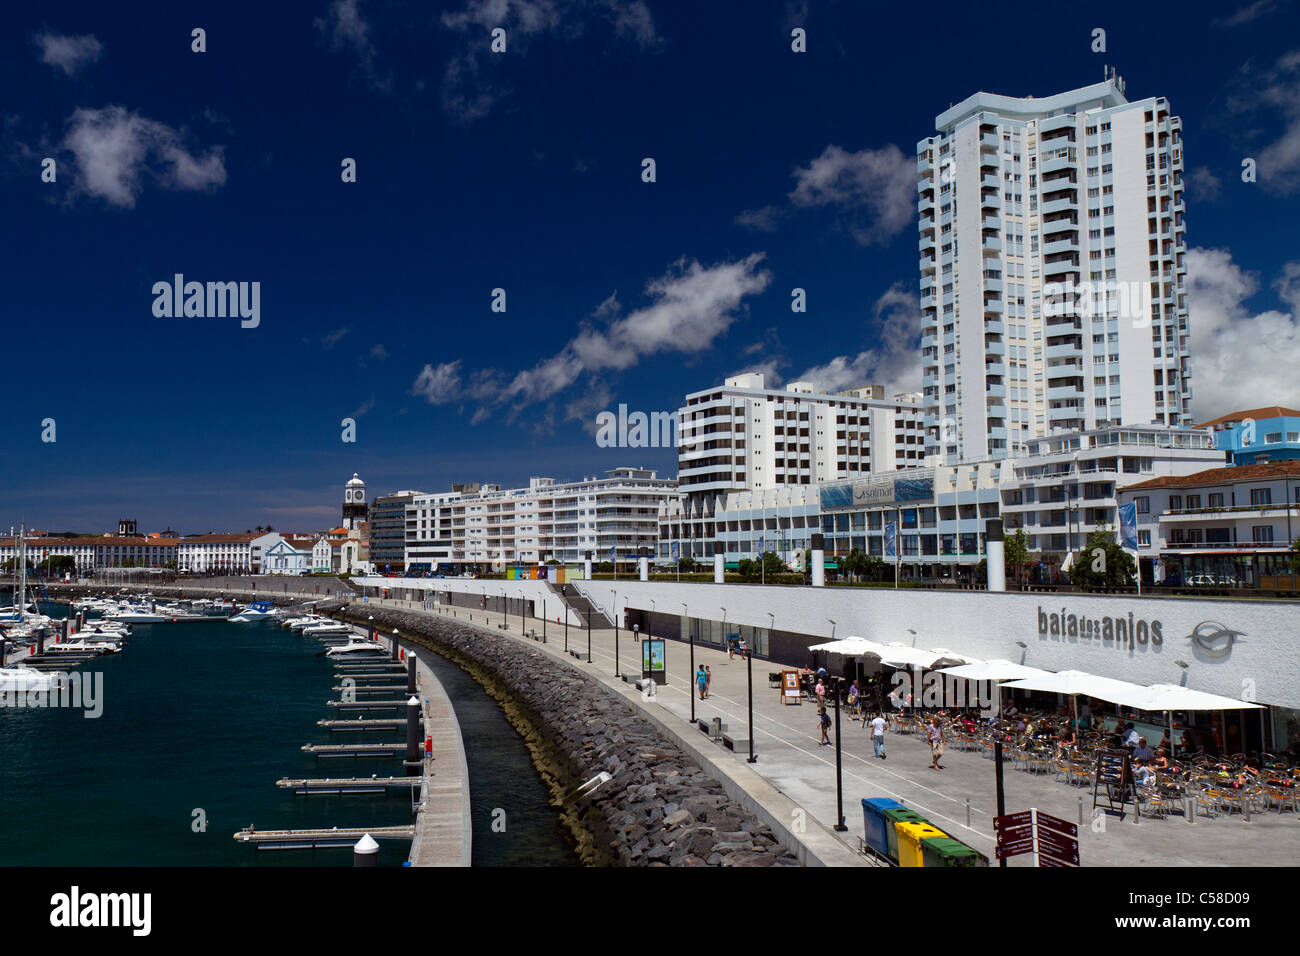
{"points": [[872, 493], [790, 693], [1053, 840], [654, 661], [1113, 773]]}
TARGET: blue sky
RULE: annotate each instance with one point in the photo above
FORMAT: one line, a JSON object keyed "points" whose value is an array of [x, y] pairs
{"points": [[522, 171]]}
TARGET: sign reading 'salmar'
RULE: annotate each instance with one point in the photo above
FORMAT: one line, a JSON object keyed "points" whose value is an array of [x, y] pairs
{"points": [[1124, 632]]}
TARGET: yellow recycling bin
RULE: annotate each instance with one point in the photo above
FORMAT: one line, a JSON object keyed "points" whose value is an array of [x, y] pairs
{"points": [[910, 836]]}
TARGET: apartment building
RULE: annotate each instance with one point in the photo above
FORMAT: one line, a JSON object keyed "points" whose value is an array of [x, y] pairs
{"points": [[1067, 486], [1052, 261], [1220, 526], [388, 530], [1257, 434], [616, 514]]}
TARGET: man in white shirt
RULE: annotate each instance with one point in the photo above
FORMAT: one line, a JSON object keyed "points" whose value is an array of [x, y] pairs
{"points": [[1131, 737], [878, 735]]}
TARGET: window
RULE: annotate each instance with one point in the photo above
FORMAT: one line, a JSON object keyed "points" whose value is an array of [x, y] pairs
{"points": [[1144, 539], [1193, 502], [1143, 505], [1261, 496], [1262, 534], [1175, 502], [1216, 500]]}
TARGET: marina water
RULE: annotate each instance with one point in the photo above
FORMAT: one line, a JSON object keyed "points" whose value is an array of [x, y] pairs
{"points": [[199, 721]]}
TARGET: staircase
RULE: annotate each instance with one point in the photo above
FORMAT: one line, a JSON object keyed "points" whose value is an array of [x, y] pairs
{"points": [[580, 605]]}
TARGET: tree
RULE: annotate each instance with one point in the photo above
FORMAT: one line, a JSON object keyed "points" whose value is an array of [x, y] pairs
{"points": [[772, 564], [873, 568], [853, 564], [748, 568], [1295, 556], [686, 564], [58, 563], [1016, 553], [1102, 565]]}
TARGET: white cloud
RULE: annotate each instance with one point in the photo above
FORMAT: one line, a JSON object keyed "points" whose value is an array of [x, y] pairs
{"points": [[366, 406], [872, 192], [331, 339], [347, 31], [1248, 14], [378, 352], [894, 362], [439, 384], [691, 307], [1273, 94], [114, 149], [468, 94], [1239, 358], [1203, 183], [68, 53]]}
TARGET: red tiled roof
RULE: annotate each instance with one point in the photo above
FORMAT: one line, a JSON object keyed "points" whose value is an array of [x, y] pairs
{"points": [[1270, 411], [1221, 476], [220, 538]]}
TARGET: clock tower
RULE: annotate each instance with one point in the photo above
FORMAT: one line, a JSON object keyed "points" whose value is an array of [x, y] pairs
{"points": [[355, 509]]}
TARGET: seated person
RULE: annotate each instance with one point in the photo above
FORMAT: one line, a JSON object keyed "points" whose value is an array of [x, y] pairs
{"points": [[1143, 775], [1142, 751], [1130, 735], [1161, 761]]}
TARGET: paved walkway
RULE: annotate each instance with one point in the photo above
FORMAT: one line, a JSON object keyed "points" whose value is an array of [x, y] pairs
{"points": [[791, 759]]}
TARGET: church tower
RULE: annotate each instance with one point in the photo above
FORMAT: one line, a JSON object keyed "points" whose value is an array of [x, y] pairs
{"points": [[355, 509]]}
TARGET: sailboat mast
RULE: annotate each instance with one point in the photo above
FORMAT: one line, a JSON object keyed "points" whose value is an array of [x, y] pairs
{"points": [[22, 562]]}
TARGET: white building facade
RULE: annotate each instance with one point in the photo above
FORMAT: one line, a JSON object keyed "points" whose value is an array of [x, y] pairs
{"points": [[1221, 527], [548, 520], [1052, 269]]}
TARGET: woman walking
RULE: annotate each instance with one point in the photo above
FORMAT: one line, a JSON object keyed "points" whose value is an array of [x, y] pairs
{"points": [[824, 722], [936, 743], [708, 680]]}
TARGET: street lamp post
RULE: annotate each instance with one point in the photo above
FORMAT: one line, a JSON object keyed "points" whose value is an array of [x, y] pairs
{"points": [[614, 609], [839, 771], [749, 677], [690, 634], [588, 632]]}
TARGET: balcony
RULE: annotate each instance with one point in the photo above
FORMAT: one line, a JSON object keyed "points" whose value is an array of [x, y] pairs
{"points": [[1064, 244], [1061, 202], [992, 245], [1064, 350]]}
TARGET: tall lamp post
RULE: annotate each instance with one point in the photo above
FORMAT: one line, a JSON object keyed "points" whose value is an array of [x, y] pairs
{"points": [[614, 611], [693, 683], [588, 632], [839, 770]]}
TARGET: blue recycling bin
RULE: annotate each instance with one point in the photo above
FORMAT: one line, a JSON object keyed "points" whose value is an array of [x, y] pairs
{"points": [[874, 822]]}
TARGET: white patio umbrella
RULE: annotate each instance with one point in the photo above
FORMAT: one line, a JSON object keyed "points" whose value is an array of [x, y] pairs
{"points": [[848, 646], [896, 654], [1171, 697], [1075, 683], [999, 670], [943, 654]]}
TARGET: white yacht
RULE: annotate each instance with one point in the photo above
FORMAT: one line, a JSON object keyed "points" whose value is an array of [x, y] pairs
{"points": [[21, 679], [327, 629], [256, 611], [136, 614], [357, 648]]}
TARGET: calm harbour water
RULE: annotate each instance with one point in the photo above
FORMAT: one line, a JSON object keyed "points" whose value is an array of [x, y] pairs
{"points": [[199, 721]]}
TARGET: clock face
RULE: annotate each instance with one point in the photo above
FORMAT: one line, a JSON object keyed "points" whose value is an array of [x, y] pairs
{"points": [[347, 495]]}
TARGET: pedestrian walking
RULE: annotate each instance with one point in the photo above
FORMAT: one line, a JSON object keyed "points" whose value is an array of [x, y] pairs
{"points": [[702, 680], [936, 743], [878, 726], [824, 722], [708, 680], [821, 693], [731, 649]]}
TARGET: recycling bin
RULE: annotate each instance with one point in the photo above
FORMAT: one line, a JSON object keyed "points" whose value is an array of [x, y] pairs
{"points": [[894, 816], [945, 851], [873, 822], [910, 836]]}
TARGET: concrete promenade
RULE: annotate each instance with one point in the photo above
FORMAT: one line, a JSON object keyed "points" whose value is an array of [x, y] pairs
{"points": [[443, 835], [791, 761]]}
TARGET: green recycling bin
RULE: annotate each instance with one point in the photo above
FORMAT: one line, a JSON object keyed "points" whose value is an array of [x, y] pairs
{"points": [[945, 851], [898, 815]]}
